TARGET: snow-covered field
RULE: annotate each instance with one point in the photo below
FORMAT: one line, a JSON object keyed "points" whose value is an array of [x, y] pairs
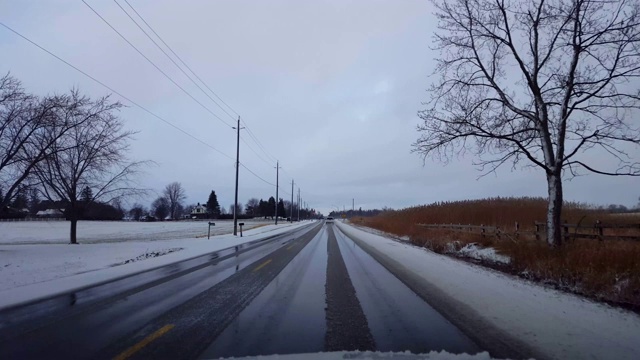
{"points": [[37, 270], [556, 324], [57, 232]]}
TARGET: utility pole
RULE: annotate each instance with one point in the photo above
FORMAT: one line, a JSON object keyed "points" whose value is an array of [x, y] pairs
{"points": [[277, 179], [353, 206], [291, 212], [298, 204], [235, 206]]}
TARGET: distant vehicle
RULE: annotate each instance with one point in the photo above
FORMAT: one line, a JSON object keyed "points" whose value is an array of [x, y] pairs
{"points": [[329, 219]]}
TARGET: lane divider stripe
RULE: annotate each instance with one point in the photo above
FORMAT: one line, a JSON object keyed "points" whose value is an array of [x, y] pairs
{"points": [[262, 265], [146, 341]]}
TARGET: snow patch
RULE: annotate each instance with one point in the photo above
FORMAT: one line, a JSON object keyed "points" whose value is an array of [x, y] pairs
{"points": [[149, 254], [369, 355], [474, 251]]}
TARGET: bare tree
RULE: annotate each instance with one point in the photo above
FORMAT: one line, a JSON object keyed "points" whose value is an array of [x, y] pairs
{"points": [[160, 208], [90, 155], [137, 211], [238, 210], [543, 81], [29, 127], [174, 193], [252, 207]]}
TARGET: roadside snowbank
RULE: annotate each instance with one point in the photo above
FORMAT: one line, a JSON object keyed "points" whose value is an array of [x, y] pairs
{"points": [[479, 253], [368, 355], [555, 324], [29, 272]]}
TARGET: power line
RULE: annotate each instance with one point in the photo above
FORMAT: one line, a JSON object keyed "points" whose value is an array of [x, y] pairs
{"points": [[255, 152], [131, 101], [156, 66], [256, 175], [254, 138], [171, 59], [180, 59], [116, 92]]}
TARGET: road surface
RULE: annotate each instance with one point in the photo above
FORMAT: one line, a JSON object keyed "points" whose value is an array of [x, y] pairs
{"points": [[309, 290]]}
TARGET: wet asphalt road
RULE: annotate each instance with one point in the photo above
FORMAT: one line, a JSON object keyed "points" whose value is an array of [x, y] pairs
{"points": [[307, 291]]}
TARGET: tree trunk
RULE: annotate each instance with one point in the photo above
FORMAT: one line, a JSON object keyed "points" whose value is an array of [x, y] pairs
{"points": [[554, 210], [72, 235]]}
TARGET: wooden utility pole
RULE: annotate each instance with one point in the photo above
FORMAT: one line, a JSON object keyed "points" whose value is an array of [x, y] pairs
{"points": [[291, 212], [277, 179], [235, 206]]}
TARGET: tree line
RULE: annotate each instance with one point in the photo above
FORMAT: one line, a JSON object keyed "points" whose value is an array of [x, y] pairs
{"points": [[170, 205]]}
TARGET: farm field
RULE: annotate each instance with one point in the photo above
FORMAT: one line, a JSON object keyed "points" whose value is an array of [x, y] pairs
{"points": [[57, 232]]}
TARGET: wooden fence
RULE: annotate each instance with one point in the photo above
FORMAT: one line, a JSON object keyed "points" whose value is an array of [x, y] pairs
{"points": [[34, 219], [569, 231]]}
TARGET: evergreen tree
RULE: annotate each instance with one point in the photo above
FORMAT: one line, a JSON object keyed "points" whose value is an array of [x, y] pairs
{"points": [[21, 201], [263, 208], [86, 195], [282, 211], [213, 207], [271, 207]]}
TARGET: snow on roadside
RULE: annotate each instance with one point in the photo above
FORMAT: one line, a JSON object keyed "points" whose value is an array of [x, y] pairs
{"points": [[381, 233], [558, 325], [479, 253], [149, 254], [370, 355], [29, 272]]}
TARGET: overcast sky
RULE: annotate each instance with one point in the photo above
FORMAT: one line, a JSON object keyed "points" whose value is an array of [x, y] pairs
{"points": [[329, 88]]}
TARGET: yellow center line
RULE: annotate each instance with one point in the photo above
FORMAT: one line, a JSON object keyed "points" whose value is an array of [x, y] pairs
{"points": [[137, 347], [262, 265], [291, 246]]}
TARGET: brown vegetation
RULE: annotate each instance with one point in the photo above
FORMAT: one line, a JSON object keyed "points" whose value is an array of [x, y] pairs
{"points": [[604, 270]]}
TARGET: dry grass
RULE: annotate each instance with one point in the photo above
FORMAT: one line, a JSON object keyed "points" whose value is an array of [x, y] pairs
{"points": [[607, 270]]}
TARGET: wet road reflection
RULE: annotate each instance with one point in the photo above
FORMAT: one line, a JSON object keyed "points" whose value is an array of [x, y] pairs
{"points": [[288, 316]]}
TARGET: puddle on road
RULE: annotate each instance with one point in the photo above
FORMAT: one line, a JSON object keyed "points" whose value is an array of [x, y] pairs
{"points": [[288, 316], [398, 319]]}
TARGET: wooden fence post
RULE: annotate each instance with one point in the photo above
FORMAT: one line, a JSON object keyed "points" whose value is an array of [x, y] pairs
{"points": [[537, 231], [600, 230]]}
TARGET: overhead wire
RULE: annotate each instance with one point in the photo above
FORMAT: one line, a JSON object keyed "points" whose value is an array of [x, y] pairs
{"points": [[253, 137], [174, 82], [156, 66], [131, 101], [255, 152], [180, 59], [116, 92], [173, 61]]}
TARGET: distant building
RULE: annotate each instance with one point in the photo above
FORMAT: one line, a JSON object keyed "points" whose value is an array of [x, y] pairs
{"points": [[199, 212], [50, 213]]}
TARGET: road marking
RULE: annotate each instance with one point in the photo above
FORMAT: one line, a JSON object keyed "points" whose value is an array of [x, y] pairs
{"points": [[146, 341], [291, 246], [262, 265]]}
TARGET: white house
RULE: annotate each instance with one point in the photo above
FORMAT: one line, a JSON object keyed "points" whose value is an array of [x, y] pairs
{"points": [[199, 211], [51, 213]]}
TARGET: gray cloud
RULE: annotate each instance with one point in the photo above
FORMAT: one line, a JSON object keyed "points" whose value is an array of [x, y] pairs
{"points": [[330, 88]]}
